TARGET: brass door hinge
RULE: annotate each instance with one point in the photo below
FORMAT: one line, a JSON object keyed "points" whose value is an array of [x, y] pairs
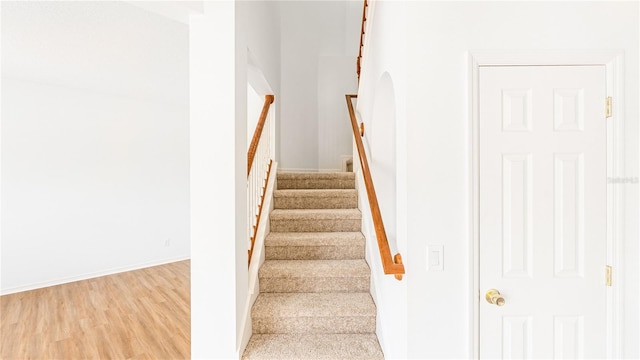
{"points": [[608, 106], [607, 275]]}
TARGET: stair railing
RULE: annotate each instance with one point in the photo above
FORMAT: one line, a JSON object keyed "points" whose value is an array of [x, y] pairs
{"points": [[364, 20], [391, 266], [259, 161]]}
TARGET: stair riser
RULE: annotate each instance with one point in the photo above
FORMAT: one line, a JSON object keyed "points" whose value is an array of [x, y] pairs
{"points": [[316, 184], [300, 202], [314, 252], [314, 285], [312, 225], [319, 325]]}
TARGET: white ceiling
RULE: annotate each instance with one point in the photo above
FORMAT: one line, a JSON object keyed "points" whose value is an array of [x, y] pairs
{"points": [[111, 47]]}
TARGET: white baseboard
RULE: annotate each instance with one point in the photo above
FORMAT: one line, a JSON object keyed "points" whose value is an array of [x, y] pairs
{"points": [[91, 275]]}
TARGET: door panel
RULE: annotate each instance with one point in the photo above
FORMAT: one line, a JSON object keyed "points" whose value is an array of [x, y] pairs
{"points": [[542, 151]]}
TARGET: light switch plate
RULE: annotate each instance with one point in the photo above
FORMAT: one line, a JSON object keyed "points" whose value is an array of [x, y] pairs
{"points": [[435, 258]]}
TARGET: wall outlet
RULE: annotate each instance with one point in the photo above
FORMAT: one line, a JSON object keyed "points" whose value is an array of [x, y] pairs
{"points": [[167, 243]]}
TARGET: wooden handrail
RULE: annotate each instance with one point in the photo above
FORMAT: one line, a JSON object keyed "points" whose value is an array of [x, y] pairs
{"points": [[364, 20], [391, 266], [251, 153]]}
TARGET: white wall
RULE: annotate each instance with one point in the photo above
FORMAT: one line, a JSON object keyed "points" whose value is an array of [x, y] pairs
{"points": [[220, 41], [95, 154], [218, 146], [436, 137], [258, 58], [382, 108], [257, 33], [335, 79], [311, 30], [255, 103]]}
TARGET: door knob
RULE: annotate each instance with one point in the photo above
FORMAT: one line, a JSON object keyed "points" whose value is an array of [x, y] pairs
{"points": [[493, 297]]}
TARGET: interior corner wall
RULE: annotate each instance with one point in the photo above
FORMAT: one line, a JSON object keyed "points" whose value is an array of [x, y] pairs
{"points": [[335, 79], [95, 141], [218, 184], [310, 30], [257, 32], [381, 106], [220, 41], [438, 142]]}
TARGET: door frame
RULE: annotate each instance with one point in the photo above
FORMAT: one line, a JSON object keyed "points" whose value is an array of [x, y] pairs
{"points": [[614, 70]]}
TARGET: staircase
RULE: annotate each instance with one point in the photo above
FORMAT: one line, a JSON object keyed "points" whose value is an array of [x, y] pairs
{"points": [[314, 300]]}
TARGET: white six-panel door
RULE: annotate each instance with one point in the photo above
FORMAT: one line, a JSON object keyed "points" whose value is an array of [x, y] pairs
{"points": [[542, 211]]}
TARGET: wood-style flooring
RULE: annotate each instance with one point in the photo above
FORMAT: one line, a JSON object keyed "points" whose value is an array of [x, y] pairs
{"points": [[142, 314]]}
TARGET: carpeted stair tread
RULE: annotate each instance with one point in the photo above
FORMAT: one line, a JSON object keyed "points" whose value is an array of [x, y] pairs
{"points": [[314, 313], [316, 199], [315, 214], [291, 305], [312, 220], [313, 347], [314, 239], [311, 180], [343, 175], [314, 276], [314, 246], [315, 193], [314, 268]]}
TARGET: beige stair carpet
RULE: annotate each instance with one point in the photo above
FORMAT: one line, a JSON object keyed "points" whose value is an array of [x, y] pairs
{"points": [[314, 300]]}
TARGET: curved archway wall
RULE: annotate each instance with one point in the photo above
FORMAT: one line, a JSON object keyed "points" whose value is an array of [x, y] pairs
{"points": [[381, 132]]}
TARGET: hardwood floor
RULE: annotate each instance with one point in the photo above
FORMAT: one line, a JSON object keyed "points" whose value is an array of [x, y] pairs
{"points": [[142, 314]]}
